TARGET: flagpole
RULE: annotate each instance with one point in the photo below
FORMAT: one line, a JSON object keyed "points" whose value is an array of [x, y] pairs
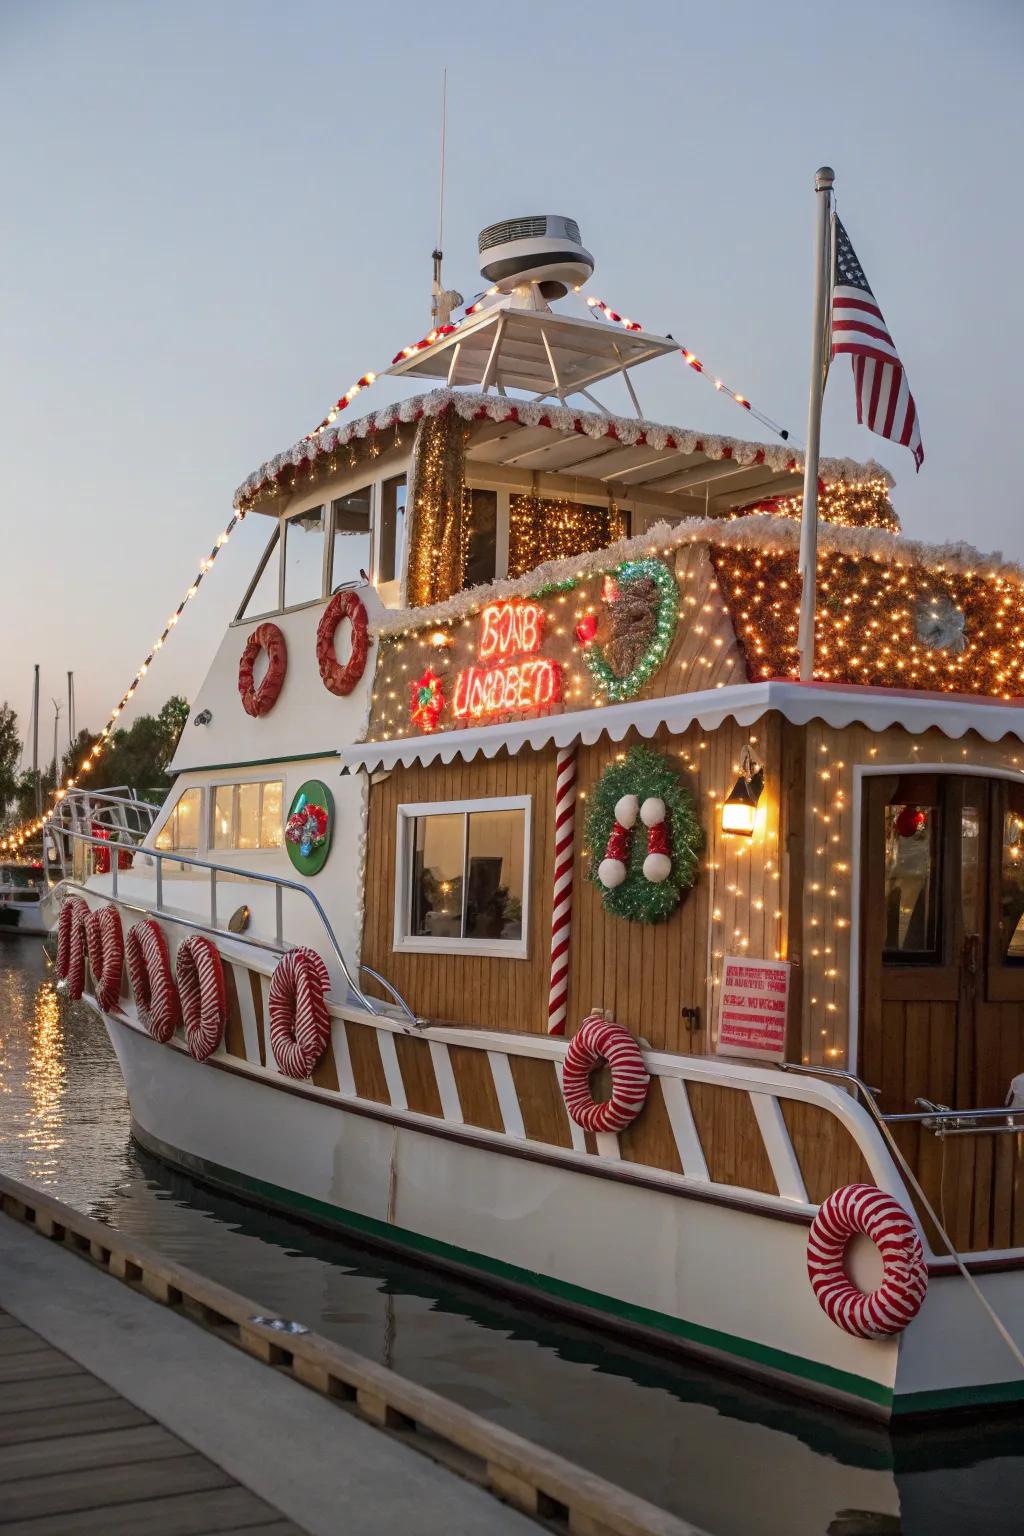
{"points": [[823, 181]]}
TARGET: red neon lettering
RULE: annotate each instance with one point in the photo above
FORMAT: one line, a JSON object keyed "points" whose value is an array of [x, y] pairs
{"points": [[509, 629], [507, 689]]}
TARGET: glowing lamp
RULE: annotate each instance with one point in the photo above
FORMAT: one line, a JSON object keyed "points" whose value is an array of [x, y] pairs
{"points": [[739, 811]]}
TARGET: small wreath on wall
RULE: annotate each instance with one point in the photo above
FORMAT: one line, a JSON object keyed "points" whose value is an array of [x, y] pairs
{"points": [[642, 601], [310, 826], [340, 679], [642, 870], [261, 700]]}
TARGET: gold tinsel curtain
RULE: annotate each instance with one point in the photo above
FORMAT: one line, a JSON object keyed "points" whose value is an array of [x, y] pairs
{"points": [[437, 555], [542, 530]]}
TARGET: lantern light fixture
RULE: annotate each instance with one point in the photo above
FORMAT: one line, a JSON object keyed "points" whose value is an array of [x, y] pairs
{"points": [[739, 809]]}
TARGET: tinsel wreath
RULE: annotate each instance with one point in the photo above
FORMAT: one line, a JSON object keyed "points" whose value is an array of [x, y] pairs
{"points": [[542, 530], [645, 774], [437, 556]]}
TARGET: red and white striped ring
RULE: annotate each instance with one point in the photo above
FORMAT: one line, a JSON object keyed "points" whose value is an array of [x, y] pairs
{"points": [[597, 1041], [887, 1310], [300, 1025], [106, 954], [149, 971], [71, 943], [204, 1003]]}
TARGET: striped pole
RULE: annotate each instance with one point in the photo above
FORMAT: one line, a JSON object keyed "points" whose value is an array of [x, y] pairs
{"points": [[561, 912]]}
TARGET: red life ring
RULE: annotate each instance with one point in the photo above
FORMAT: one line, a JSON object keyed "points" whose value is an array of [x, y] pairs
{"points": [[337, 678], [71, 944], [106, 954], [888, 1310], [300, 1026], [261, 700], [597, 1041], [204, 1003], [149, 971]]}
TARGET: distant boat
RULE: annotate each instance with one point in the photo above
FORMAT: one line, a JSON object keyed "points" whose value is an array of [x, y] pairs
{"points": [[22, 886]]}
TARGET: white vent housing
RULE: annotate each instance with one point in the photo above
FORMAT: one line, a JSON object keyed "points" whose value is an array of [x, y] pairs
{"points": [[544, 249]]}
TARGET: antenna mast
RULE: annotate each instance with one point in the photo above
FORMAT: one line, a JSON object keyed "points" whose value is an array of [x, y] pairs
{"points": [[443, 300]]}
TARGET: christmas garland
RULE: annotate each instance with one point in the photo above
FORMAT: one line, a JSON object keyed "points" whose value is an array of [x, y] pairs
{"points": [[642, 870], [618, 688]]}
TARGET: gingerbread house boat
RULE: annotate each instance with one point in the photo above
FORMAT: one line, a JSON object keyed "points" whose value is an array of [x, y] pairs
{"points": [[517, 905]]}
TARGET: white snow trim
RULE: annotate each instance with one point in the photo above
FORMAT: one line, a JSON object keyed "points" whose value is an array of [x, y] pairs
{"points": [[759, 530], [530, 413], [746, 703]]}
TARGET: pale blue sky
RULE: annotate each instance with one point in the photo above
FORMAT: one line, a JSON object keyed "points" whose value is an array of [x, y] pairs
{"points": [[216, 216]]}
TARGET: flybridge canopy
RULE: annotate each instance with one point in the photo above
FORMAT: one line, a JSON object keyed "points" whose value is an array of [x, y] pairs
{"points": [[627, 458], [538, 351]]}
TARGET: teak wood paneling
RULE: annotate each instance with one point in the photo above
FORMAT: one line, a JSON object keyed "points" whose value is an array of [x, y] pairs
{"points": [[730, 1137], [418, 1076], [256, 991], [234, 1035], [477, 1094], [545, 1117], [828, 1156], [649, 1139], [367, 1067]]}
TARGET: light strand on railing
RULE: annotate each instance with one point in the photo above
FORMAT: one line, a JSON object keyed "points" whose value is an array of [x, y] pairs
{"points": [[692, 361], [19, 835], [366, 379]]}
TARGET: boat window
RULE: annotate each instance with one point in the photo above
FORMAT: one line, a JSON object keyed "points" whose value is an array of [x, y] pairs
{"points": [[463, 877], [392, 527], [482, 550], [180, 832], [247, 816], [264, 594], [912, 843], [350, 555], [1011, 916], [304, 557]]}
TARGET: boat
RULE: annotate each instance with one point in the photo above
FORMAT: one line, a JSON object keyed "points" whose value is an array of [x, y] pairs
{"points": [[22, 887], [517, 905]]}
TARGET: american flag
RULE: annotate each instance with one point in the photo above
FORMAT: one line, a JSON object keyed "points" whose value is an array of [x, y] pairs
{"points": [[884, 401]]}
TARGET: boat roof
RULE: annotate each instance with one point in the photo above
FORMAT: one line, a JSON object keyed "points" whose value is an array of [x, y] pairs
{"points": [[628, 457]]}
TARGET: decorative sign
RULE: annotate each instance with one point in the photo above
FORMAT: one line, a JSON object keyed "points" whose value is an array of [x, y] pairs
{"points": [[509, 629], [753, 1007], [508, 686], [307, 832]]}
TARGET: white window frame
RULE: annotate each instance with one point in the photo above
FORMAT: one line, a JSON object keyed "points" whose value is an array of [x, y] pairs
{"points": [[234, 785], [201, 825], [495, 949]]}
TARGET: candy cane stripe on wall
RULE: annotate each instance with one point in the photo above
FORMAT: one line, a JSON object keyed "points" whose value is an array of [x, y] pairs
{"points": [[561, 913]]}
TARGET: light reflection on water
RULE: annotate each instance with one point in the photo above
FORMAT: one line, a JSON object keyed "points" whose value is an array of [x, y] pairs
{"points": [[735, 1460]]}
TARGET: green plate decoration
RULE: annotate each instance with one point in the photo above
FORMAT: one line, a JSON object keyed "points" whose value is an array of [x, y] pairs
{"points": [[643, 837], [310, 826], [642, 601]]}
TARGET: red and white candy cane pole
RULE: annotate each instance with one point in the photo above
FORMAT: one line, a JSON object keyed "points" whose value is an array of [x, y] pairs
{"points": [[561, 911]]}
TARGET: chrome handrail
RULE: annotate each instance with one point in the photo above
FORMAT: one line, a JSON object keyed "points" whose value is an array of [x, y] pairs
{"points": [[939, 1118], [280, 884]]}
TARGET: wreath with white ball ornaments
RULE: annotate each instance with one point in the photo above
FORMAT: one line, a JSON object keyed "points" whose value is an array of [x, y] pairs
{"points": [[643, 837]]}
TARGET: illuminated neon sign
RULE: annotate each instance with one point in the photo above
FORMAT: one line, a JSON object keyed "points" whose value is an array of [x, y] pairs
{"points": [[507, 688], [510, 629]]}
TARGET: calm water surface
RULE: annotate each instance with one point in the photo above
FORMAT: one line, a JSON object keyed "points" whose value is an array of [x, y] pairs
{"points": [[734, 1459]]}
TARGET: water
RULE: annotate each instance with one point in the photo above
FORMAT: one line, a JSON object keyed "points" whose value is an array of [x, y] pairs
{"points": [[734, 1459]]}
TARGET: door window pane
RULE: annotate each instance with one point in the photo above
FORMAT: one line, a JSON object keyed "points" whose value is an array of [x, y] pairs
{"points": [[911, 881], [438, 852], [270, 816], [494, 890], [970, 868], [1011, 916], [351, 539], [304, 557], [223, 815], [482, 554], [264, 595], [248, 816], [392, 527]]}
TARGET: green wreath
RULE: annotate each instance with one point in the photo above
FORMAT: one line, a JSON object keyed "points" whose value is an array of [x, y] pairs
{"points": [[645, 775], [619, 688]]}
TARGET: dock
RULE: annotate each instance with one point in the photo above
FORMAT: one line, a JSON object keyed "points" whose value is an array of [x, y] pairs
{"points": [[168, 1404]]}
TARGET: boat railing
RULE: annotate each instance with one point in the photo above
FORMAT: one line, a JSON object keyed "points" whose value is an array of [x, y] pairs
{"points": [[938, 1118], [278, 883], [118, 811]]}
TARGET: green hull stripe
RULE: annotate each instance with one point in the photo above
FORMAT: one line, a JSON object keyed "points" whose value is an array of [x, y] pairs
{"points": [[947, 1399], [763, 1355], [254, 762]]}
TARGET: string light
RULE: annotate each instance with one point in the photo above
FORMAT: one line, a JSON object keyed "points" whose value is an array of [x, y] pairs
{"points": [[692, 361], [30, 828], [847, 503]]}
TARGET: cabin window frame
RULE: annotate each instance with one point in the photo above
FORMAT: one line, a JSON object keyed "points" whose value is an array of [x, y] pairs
{"points": [[273, 544], [404, 942], [234, 784], [171, 815]]}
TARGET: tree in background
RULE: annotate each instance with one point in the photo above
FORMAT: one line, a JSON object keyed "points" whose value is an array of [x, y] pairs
{"points": [[10, 755]]}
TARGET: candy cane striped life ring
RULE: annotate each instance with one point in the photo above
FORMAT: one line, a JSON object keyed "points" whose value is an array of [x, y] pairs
{"points": [[204, 1004], [337, 678], [106, 954], [597, 1041], [887, 1310], [149, 971], [300, 1025], [261, 700], [71, 943]]}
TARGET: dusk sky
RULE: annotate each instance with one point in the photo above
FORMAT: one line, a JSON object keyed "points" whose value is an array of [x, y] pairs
{"points": [[217, 216]]}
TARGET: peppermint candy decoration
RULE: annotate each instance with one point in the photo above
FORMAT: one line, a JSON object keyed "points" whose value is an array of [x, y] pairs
{"points": [[862, 1208], [149, 971], [300, 1025], [204, 1008], [599, 1040]]}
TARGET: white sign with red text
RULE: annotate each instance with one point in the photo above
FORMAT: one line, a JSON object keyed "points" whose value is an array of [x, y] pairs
{"points": [[752, 1009]]}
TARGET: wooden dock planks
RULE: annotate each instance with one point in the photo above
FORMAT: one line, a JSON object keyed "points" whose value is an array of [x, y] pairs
{"points": [[77, 1459]]}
